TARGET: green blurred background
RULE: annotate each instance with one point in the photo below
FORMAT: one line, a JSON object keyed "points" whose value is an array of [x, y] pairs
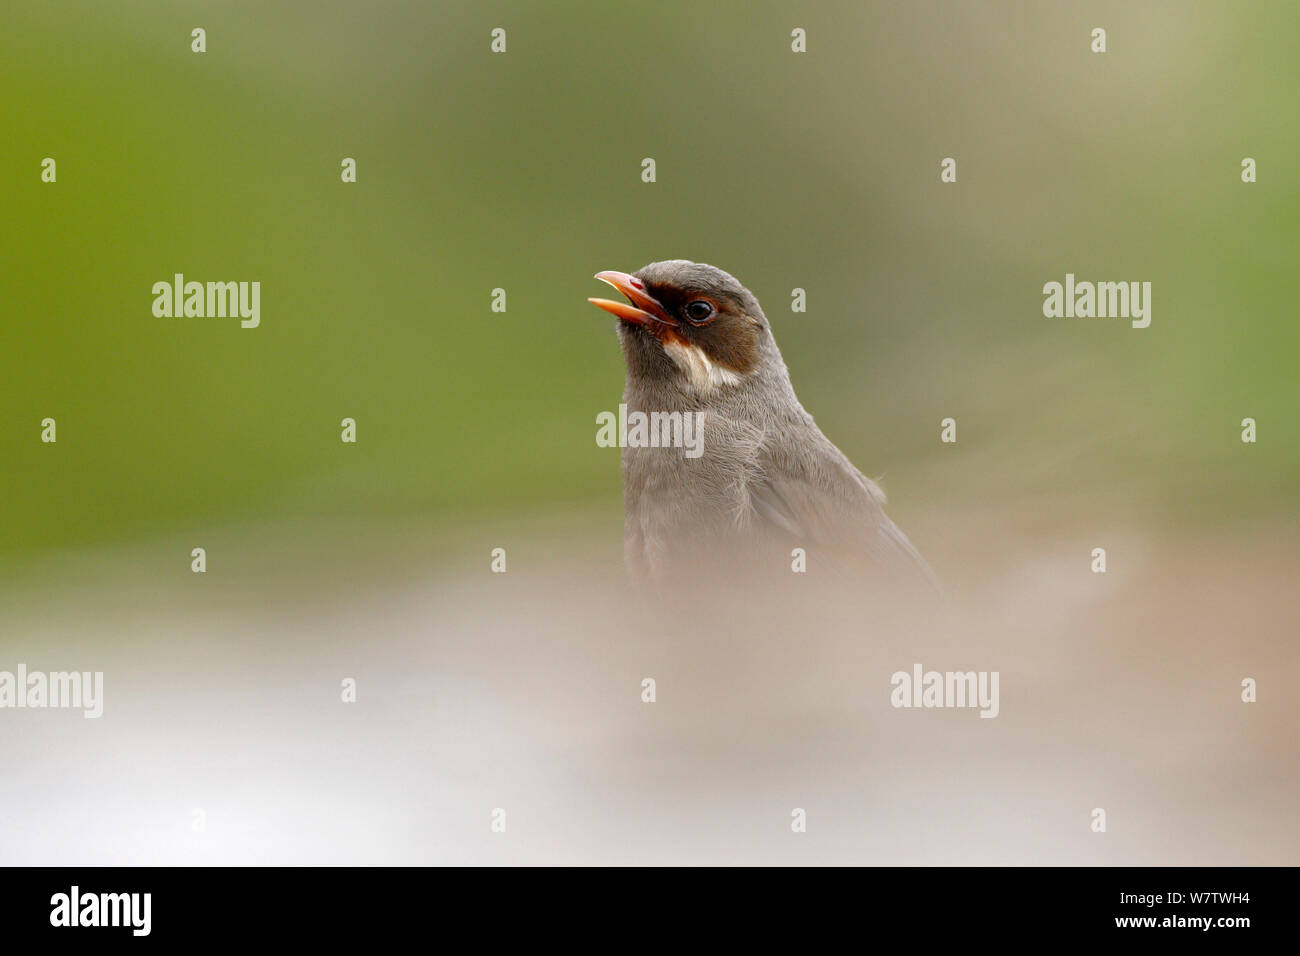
{"points": [[522, 171]]}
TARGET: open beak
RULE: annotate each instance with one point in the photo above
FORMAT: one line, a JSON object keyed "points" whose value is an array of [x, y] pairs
{"points": [[644, 310]]}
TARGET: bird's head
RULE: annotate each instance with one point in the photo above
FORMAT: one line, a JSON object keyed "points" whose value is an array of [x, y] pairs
{"points": [[690, 323]]}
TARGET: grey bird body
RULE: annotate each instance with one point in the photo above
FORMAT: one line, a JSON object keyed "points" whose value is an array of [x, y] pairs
{"points": [[767, 480]]}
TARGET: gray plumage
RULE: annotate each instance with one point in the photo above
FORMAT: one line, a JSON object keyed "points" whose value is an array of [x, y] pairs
{"points": [[768, 480]]}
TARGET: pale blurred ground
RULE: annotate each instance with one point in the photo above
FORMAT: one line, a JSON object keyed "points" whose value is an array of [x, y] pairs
{"points": [[522, 691]]}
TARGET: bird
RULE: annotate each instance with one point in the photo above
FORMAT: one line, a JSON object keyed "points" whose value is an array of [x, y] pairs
{"points": [[767, 480]]}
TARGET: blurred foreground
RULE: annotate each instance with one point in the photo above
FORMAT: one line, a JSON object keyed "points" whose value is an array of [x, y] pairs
{"points": [[522, 691]]}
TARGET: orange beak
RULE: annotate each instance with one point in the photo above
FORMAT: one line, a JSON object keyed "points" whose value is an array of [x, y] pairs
{"points": [[643, 310]]}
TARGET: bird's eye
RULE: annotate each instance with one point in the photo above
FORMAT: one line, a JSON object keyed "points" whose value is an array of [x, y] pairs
{"points": [[699, 311]]}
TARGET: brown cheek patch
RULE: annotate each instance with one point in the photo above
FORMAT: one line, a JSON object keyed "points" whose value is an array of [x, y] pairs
{"points": [[728, 341], [730, 344], [667, 334]]}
